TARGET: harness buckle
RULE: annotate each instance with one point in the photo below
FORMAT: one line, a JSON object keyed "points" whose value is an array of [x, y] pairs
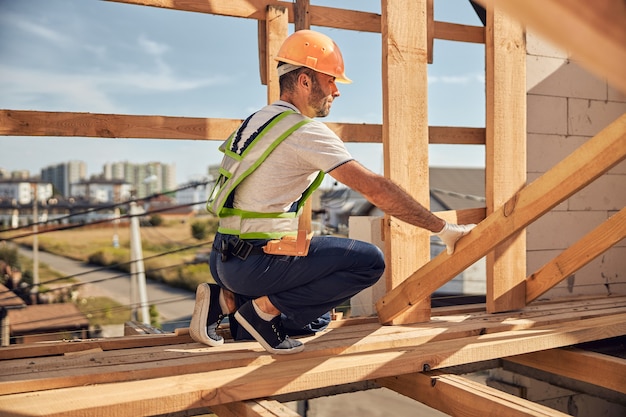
{"points": [[224, 250], [241, 249]]}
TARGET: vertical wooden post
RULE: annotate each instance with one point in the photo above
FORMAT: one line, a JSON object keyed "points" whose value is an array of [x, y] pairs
{"points": [[301, 15], [405, 137], [301, 21], [430, 28], [276, 30], [505, 174]]}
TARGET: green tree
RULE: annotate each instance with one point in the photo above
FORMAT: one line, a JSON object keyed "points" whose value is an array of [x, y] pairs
{"points": [[199, 230], [10, 256], [156, 220]]}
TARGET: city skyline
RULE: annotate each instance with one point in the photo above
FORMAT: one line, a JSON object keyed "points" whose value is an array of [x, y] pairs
{"points": [[145, 179]]}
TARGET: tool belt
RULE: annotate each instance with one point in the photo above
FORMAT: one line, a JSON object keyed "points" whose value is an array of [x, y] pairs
{"points": [[290, 245], [287, 246]]}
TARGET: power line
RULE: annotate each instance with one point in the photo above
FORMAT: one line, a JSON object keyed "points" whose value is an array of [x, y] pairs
{"points": [[78, 225], [114, 266], [112, 206]]}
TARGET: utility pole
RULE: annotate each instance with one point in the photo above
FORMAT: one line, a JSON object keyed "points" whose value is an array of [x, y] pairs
{"points": [[35, 287], [138, 275]]}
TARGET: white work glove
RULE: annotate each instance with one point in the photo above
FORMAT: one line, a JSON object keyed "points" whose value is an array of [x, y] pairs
{"points": [[451, 233]]}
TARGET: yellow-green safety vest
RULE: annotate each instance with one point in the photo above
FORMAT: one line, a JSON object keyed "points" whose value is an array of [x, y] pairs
{"points": [[235, 167]]}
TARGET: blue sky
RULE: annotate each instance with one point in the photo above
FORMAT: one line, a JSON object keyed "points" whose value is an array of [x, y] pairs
{"points": [[104, 57]]}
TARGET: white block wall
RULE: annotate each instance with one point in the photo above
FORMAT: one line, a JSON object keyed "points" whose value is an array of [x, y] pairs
{"points": [[566, 107]]}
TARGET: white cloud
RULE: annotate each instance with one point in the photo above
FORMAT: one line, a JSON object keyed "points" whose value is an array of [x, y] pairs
{"points": [[35, 29], [25, 88], [456, 79], [152, 47]]}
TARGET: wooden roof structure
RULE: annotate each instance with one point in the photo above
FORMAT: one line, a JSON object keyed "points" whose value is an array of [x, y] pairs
{"points": [[415, 348]]}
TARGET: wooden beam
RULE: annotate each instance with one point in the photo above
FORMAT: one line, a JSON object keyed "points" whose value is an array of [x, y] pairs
{"points": [[466, 216], [591, 367], [40, 123], [462, 397], [276, 31], [317, 16], [262, 49], [585, 164], [59, 124], [405, 138], [505, 168], [577, 255], [430, 28], [290, 374], [255, 9], [456, 135], [301, 14], [593, 31], [63, 348], [460, 33], [253, 408], [127, 364]]}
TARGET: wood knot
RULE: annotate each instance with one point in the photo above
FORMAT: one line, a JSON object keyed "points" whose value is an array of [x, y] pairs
{"points": [[509, 206]]}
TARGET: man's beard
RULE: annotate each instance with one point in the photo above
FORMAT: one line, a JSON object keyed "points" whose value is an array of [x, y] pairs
{"points": [[318, 100]]}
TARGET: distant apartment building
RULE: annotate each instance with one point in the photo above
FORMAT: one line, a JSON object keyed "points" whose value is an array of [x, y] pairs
{"points": [[102, 191], [195, 194], [21, 174], [61, 176], [145, 179], [20, 192]]}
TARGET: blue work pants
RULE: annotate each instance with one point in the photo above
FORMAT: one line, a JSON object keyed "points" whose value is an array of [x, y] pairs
{"points": [[303, 288]]}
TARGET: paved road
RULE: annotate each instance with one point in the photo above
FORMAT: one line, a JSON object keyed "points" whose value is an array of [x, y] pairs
{"points": [[174, 305]]}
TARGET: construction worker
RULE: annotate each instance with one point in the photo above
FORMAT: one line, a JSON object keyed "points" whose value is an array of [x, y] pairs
{"points": [[272, 163]]}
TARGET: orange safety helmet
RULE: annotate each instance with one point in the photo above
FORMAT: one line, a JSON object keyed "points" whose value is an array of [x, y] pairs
{"points": [[316, 51]]}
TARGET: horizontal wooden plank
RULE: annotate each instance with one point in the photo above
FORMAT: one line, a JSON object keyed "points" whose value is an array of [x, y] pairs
{"points": [[255, 9], [32, 374], [36, 123], [61, 348], [461, 33], [330, 17], [294, 373], [258, 408], [591, 367], [579, 306], [466, 216], [462, 397], [75, 124]]}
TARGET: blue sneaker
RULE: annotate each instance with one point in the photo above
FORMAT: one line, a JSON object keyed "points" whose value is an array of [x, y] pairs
{"points": [[207, 315], [270, 334]]}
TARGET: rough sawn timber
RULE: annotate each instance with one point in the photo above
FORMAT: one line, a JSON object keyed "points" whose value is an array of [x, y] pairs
{"points": [[168, 378]]}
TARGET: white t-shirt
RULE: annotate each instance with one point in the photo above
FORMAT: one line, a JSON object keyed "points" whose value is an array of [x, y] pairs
{"points": [[291, 167]]}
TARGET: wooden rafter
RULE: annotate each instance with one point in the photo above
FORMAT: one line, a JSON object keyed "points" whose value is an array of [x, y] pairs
{"points": [[591, 367], [462, 397], [257, 408], [584, 165], [577, 255]]}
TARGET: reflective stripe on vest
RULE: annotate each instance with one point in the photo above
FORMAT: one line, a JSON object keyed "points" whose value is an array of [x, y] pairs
{"points": [[236, 167]]}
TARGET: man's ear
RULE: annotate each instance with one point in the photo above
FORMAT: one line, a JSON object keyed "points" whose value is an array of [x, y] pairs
{"points": [[305, 80]]}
